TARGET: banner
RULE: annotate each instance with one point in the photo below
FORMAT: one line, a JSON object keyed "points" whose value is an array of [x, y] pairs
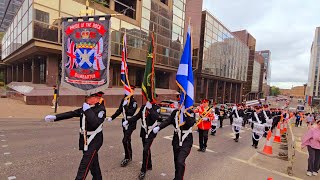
{"points": [[86, 53]]}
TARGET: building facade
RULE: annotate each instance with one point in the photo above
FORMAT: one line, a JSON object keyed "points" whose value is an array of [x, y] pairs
{"points": [[252, 88], [223, 61], [267, 71], [297, 92], [31, 47]]}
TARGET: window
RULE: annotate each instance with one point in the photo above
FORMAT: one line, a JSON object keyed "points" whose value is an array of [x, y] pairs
{"points": [[42, 16], [126, 7], [105, 3], [164, 2]]}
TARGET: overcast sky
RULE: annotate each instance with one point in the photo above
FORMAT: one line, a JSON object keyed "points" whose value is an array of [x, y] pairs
{"points": [[285, 27]]}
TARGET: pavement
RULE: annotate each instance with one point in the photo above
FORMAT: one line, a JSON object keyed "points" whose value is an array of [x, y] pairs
{"points": [[33, 149]]}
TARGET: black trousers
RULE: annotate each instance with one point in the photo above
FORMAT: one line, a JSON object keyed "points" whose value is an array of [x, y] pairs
{"points": [[314, 159], [126, 141], [237, 132], [221, 121], [213, 129], [146, 155], [180, 154], [231, 120], [203, 138], [89, 161], [266, 129], [255, 142], [297, 122]]}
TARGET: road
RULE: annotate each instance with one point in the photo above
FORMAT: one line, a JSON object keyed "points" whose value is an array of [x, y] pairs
{"points": [[33, 149]]}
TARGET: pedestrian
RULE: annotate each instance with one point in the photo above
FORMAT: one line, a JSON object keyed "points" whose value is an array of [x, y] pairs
{"points": [[128, 106], [311, 140], [92, 115], [149, 115], [310, 120], [297, 119], [204, 123], [257, 119], [222, 113], [182, 139]]}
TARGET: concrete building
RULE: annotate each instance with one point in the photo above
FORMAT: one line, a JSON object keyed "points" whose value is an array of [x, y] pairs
{"points": [[296, 92], [223, 61], [252, 88], [313, 87], [31, 47], [267, 71]]}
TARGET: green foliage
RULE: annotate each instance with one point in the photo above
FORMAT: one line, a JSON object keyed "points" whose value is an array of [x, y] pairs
{"points": [[275, 91]]}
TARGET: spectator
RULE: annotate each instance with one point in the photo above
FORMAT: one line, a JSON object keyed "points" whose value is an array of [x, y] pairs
{"points": [[311, 140], [297, 119], [310, 120]]}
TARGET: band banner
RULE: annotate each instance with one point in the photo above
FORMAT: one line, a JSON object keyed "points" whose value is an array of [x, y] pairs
{"points": [[86, 53]]}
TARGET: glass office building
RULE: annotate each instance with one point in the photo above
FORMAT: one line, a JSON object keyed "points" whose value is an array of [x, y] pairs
{"points": [[31, 47], [223, 62]]}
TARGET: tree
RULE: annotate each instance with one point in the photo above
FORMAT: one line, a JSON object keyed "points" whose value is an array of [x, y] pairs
{"points": [[275, 91]]}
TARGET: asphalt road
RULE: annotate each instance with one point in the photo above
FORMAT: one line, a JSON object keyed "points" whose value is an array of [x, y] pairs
{"points": [[33, 149]]}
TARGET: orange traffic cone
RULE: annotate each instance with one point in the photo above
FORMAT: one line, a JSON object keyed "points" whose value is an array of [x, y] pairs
{"points": [[285, 126], [268, 146], [281, 127], [269, 178], [277, 137]]}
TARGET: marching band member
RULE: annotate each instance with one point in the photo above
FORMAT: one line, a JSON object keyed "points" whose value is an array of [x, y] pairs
{"points": [[237, 113], [149, 115], [127, 108], [215, 109], [182, 139], [204, 123], [92, 115], [222, 113], [257, 118]]}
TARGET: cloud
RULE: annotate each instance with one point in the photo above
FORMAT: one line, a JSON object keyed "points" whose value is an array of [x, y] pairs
{"points": [[284, 27]]}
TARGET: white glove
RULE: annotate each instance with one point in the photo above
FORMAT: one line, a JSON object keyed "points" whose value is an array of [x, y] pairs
{"points": [[216, 117], [50, 118], [125, 123], [205, 119], [85, 106], [148, 105], [109, 119], [125, 102], [156, 129]]}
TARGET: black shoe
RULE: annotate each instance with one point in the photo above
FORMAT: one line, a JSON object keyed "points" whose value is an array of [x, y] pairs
{"points": [[141, 175], [212, 134], [203, 149], [256, 147], [236, 140], [125, 162], [200, 149], [252, 145], [149, 168]]}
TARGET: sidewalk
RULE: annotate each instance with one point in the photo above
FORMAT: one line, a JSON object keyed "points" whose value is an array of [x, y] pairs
{"points": [[10, 108], [300, 163]]}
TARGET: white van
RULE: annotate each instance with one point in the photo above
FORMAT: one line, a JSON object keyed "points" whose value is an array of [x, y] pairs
{"points": [[300, 108]]}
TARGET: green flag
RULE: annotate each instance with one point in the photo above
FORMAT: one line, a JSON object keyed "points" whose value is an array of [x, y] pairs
{"points": [[148, 84]]}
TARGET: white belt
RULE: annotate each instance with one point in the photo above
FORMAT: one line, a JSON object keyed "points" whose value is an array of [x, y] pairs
{"points": [[184, 136], [92, 134], [150, 128]]}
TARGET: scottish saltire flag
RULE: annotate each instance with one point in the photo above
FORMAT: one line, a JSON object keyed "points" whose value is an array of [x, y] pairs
{"points": [[124, 68], [184, 78]]}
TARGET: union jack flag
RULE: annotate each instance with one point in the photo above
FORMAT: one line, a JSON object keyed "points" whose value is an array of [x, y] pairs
{"points": [[71, 53], [124, 68]]}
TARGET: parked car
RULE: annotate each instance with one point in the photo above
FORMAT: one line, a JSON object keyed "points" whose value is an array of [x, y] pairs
{"points": [[300, 108], [167, 107]]}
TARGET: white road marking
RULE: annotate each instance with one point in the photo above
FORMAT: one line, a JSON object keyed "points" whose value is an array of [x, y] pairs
{"points": [[3, 140], [6, 153], [110, 146], [163, 174], [2, 135], [11, 177], [8, 163], [4, 146], [140, 162], [265, 169], [193, 145]]}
